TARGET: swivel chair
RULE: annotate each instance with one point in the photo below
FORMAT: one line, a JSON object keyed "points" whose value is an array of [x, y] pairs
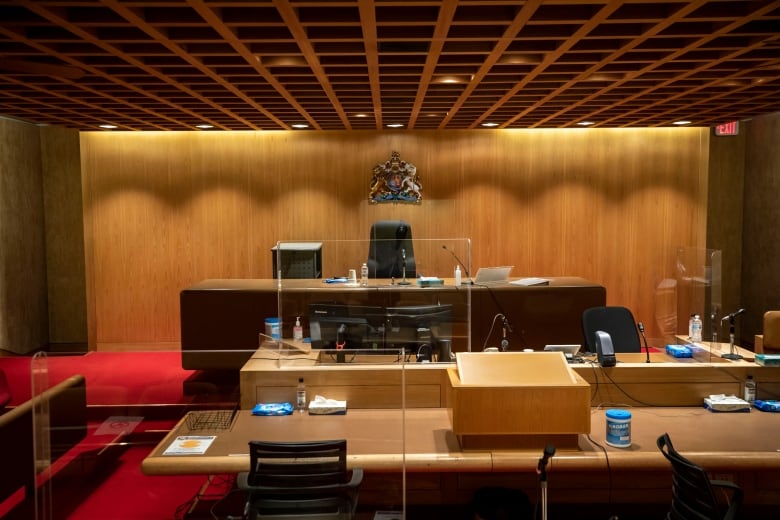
{"points": [[390, 248], [616, 321], [310, 480], [693, 493]]}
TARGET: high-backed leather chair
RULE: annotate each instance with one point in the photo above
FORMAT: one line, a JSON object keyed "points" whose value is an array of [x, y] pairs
{"points": [[616, 321], [769, 341], [390, 248]]}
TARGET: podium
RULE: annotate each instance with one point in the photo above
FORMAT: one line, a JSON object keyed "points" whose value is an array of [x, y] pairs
{"points": [[517, 400]]}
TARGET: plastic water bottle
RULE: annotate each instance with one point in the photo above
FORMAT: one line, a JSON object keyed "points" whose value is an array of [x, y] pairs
{"points": [[457, 276], [300, 395], [690, 327], [750, 390], [364, 275], [696, 329]]}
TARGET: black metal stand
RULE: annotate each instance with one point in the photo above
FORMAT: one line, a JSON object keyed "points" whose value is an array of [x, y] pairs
{"points": [[541, 469], [732, 353], [403, 281]]}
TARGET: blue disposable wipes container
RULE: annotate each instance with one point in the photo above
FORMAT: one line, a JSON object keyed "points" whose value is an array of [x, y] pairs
{"points": [[619, 428], [273, 328]]}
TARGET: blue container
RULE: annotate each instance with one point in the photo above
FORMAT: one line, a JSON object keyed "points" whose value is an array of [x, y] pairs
{"points": [[619, 428], [273, 328]]}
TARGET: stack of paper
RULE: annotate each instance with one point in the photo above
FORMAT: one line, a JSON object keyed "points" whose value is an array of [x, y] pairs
{"points": [[726, 403]]}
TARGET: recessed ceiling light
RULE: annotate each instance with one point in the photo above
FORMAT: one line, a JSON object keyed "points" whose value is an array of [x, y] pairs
{"points": [[681, 123], [361, 114], [282, 61], [395, 125], [451, 79], [108, 127], [489, 124], [300, 125], [604, 76], [519, 59], [204, 126], [585, 123]]}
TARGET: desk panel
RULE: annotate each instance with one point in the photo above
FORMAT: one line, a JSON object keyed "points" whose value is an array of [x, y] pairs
{"points": [[221, 318]]}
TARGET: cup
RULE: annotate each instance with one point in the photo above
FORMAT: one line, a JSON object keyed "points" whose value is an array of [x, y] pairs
{"points": [[352, 276]]}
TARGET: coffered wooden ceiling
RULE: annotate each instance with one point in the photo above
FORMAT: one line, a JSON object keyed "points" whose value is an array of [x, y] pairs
{"points": [[367, 64]]}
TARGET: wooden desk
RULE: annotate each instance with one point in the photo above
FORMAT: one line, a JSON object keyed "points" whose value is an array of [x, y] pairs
{"points": [[741, 446], [221, 318]]}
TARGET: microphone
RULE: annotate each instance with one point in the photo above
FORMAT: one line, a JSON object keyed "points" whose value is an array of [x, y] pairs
{"points": [[340, 341], [734, 314], [549, 451], [641, 327], [465, 269], [506, 324]]}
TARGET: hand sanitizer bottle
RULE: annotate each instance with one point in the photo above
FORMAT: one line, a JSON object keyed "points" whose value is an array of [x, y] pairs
{"points": [[458, 280], [364, 275], [298, 330]]}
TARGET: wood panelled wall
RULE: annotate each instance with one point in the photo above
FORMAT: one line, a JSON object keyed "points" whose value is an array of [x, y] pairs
{"points": [[23, 313], [165, 210]]}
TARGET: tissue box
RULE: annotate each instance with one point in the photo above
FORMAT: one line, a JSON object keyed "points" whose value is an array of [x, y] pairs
{"points": [[323, 406], [679, 351]]}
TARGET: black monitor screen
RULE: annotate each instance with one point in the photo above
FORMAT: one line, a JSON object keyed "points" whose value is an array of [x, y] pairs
{"points": [[340, 326], [413, 325]]}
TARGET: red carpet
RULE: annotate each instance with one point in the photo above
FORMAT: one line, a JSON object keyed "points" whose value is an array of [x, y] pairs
{"points": [[112, 377]]}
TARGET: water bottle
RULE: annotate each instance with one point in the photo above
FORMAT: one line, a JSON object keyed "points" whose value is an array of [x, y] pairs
{"points": [[364, 275], [457, 276], [696, 329], [690, 327], [750, 390], [300, 395]]}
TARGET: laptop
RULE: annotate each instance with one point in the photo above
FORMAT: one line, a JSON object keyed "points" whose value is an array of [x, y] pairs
{"points": [[493, 274], [569, 351]]}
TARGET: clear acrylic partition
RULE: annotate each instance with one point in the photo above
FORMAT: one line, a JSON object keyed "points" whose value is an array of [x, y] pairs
{"points": [[699, 291], [97, 415], [362, 339]]}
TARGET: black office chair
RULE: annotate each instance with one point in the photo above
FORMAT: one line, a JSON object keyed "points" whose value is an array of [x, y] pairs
{"points": [[693, 494], [308, 480], [389, 247], [616, 321]]}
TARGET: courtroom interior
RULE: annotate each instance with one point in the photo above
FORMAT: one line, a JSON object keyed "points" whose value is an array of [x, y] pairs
{"points": [[491, 259]]}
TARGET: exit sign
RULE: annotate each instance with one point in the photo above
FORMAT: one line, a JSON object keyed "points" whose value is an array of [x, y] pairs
{"points": [[730, 128]]}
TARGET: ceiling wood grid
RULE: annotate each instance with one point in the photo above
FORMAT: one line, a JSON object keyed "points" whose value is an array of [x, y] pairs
{"points": [[369, 64]]}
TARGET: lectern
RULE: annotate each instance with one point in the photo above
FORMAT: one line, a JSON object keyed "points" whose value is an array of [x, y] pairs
{"points": [[517, 400]]}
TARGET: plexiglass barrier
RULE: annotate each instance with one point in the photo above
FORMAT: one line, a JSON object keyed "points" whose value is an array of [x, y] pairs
{"points": [[382, 294], [699, 290]]}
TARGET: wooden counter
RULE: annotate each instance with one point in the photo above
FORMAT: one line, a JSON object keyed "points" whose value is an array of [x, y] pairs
{"points": [[221, 318]]}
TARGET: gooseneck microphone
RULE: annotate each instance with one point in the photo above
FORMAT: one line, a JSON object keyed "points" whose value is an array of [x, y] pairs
{"points": [[733, 315], [641, 327], [465, 269], [549, 451]]}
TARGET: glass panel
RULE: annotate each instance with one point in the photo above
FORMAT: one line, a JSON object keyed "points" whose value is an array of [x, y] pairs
{"points": [[41, 433]]}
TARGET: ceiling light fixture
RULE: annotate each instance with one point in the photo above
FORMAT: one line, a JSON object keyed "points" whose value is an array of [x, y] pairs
{"points": [[586, 123], [204, 126], [108, 127], [300, 125], [490, 124], [681, 123], [395, 125]]}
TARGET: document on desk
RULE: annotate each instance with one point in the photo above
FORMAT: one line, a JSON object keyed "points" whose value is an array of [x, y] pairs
{"points": [[528, 282], [190, 445]]}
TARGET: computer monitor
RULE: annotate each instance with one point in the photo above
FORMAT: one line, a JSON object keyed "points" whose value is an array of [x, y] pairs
{"points": [[412, 326], [341, 326]]}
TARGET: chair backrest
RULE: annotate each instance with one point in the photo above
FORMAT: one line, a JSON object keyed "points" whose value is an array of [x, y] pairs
{"points": [[300, 480], [693, 497], [389, 241], [616, 321], [294, 465], [771, 331]]}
